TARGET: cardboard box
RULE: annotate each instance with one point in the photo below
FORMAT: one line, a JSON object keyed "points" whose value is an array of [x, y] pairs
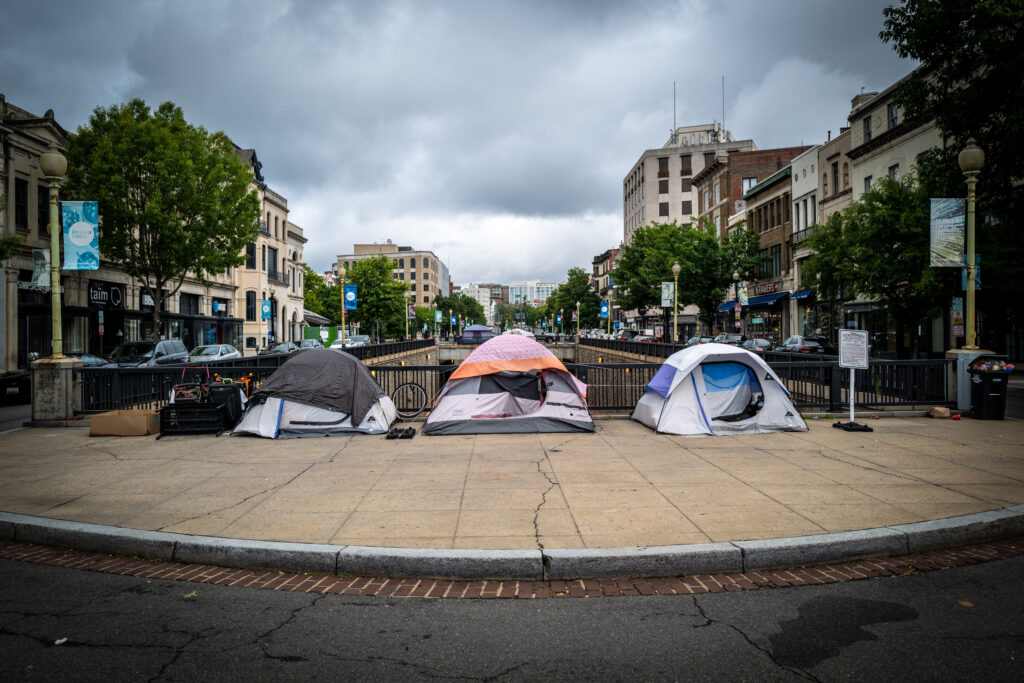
{"points": [[125, 423]]}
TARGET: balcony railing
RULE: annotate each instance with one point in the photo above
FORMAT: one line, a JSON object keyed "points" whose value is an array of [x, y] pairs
{"points": [[279, 277]]}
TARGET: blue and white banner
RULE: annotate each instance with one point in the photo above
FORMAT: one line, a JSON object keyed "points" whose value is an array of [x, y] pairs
{"points": [[604, 309], [81, 235], [265, 309], [438, 316], [350, 298]]}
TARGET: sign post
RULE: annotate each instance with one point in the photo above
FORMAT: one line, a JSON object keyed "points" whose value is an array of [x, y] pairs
{"points": [[853, 354]]}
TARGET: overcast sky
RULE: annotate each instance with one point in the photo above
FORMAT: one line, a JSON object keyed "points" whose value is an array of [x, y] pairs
{"points": [[495, 134]]}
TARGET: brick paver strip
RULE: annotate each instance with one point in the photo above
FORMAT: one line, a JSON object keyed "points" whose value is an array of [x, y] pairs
{"points": [[935, 560]]}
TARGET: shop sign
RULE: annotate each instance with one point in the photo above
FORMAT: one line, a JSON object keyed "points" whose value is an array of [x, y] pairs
{"points": [[107, 294], [766, 288]]}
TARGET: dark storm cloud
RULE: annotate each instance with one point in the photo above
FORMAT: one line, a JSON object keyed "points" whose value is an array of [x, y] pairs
{"points": [[501, 130]]}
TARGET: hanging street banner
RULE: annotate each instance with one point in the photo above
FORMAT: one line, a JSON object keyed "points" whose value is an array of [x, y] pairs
{"points": [[265, 309], [947, 233], [350, 298], [667, 290], [575, 316], [412, 311], [604, 309], [81, 235], [744, 300], [438, 316]]}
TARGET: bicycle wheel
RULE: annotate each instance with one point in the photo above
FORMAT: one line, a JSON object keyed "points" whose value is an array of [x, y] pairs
{"points": [[410, 400]]}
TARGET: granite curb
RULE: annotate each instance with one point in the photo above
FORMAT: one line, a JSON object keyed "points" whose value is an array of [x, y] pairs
{"points": [[540, 564]]}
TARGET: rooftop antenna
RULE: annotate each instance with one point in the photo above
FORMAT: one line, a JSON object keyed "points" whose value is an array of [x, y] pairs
{"points": [[673, 138], [723, 108]]}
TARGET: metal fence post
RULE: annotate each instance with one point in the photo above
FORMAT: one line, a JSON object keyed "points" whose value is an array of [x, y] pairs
{"points": [[835, 396]]}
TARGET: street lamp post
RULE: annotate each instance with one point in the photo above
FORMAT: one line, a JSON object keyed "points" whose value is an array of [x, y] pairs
{"points": [[561, 316], [675, 301], [341, 283], [971, 160], [736, 304], [578, 321], [53, 165]]}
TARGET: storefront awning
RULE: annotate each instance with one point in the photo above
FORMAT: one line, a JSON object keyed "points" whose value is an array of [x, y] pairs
{"points": [[802, 294], [727, 306], [766, 301]]}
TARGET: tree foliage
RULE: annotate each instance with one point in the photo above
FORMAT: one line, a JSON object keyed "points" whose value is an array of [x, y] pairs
{"points": [[462, 307], [381, 299], [319, 297], [878, 248], [706, 265], [576, 288], [174, 200], [969, 79]]}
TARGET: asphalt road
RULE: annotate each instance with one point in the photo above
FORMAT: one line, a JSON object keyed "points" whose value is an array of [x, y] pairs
{"points": [[957, 624]]}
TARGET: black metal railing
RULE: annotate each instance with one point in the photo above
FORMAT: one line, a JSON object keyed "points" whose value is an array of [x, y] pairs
{"points": [[812, 381]]}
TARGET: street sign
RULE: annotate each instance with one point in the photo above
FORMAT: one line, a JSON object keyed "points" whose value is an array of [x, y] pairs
{"points": [[323, 333], [853, 349]]}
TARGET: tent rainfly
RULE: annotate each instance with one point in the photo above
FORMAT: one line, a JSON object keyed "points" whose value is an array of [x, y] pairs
{"points": [[318, 392], [475, 334], [510, 384], [716, 389]]}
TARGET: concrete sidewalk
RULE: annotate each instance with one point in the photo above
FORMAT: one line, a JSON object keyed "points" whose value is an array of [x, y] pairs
{"points": [[549, 498]]}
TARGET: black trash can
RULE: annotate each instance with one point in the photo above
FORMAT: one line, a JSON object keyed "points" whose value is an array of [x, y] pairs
{"points": [[988, 394]]}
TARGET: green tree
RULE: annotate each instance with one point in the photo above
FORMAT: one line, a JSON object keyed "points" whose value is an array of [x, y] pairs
{"points": [[380, 298], [462, 306], [879, 248], [505, 316], [174, 200], [577, 287], [969, 79], [706, 265], [319, 297]]}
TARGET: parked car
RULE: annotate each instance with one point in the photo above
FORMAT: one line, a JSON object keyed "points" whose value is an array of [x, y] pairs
{"points": [[800, 344], [733, 338], [625, 334], [311, 344], [210, 352], [759, 346], [357, 340], [279, 348], [89, 360], [148, 354], [693, 341]]}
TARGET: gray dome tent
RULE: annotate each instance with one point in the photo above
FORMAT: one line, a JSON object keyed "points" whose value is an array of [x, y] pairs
{"points": [[318, 392]]}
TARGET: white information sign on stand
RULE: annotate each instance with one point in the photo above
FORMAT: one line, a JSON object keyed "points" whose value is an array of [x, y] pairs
{"points": [[853, 354]]}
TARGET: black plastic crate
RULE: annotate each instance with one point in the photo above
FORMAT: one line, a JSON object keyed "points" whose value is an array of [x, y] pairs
{"points": [[191, 418]]}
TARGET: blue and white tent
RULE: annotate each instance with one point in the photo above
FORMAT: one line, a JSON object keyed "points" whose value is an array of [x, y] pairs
{"points": [[716, 389]]}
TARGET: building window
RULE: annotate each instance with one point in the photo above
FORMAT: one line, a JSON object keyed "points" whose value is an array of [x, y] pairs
{"points": [[893, 113], [21, 204], [426, 299], [685, 185], [709, 158], [835, 177], [188, 304], [748, 183], [663, 209], [867, 129], [263, 252], [250, 257], [716, 193], [412, 275], [271, 253], [662, 165], [894, 172], [219, 308], [846, 176], [275, 226], [426, 287], [777, 260], [687, 208], [250, 342], [426, 275], [867, 183], [250, 306], [687, 164], [401, 263], [663, 186]]}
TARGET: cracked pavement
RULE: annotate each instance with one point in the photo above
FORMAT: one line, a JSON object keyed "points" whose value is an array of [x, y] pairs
{"points": [[960, 624], [623, 486]]}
